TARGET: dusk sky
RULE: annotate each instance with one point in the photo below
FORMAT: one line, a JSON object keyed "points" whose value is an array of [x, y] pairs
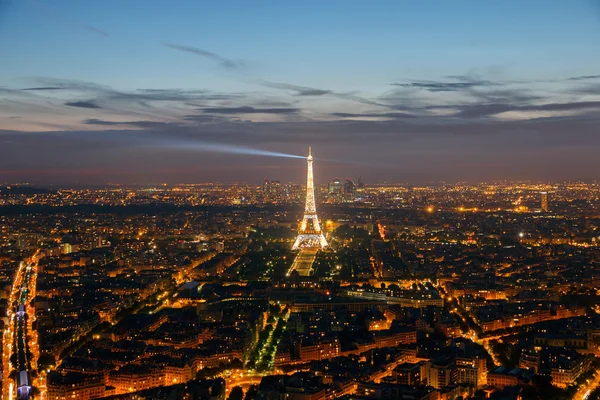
{"points": [[145, 91]]}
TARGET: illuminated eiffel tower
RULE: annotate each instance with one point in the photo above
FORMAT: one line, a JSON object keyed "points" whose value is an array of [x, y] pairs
{"points": [[310, 235]]}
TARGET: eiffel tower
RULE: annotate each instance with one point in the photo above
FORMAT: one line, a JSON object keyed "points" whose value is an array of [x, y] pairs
{"points": [[310, 235]]}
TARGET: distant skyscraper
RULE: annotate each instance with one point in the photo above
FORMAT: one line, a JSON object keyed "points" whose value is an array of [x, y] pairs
{"points": [[335, 187], [544, 201], [310, 235], [360, 184], [349, 190], [360, 188]]}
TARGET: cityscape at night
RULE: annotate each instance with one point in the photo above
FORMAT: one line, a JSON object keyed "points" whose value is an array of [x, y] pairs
{"points": [[335, 200]]}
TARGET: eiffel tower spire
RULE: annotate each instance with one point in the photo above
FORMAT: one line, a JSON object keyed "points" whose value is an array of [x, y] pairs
{"points": [[310, 235]]}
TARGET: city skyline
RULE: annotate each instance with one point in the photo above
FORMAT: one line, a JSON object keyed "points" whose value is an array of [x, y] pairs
{"points": [[446, 292], [469, 92]]}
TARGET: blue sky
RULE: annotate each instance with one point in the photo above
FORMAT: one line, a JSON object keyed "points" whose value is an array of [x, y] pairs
{"points": [[281, 75], [335, 43]]}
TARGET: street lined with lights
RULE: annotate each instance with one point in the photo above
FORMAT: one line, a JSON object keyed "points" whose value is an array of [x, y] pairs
{"points": [[21, 350]]}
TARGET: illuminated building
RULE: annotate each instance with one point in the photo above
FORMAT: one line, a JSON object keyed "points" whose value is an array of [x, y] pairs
{"points": [[502, 377], [75, 386], [349, 190], [132, 378], [441, 372], [320, 350], [266, 187], [472, 369], [310, 235], [335, 187], [544, 201], [408, 373]]}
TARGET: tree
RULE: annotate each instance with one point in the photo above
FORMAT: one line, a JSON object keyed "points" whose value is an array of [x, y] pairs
{"points": [[236, 363], [251, 393], [205, 373], [236, 393]]}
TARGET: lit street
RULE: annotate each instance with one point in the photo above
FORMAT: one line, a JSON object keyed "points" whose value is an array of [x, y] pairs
{"points": [[20, 339], [585, 390]]}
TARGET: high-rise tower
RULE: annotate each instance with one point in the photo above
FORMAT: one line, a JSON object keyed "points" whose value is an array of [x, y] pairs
{"points": [[544, 201], [310, 235]]}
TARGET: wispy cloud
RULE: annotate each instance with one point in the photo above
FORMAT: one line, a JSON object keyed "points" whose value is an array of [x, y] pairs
{"points": [[583, 78], [223, 61], [484, 110], [71, 84], [139, 124], [99, 31], [455, 99], [42, 88], [432, 86], [203, 118], [296, 89], [310, 91], [394, 115], [137, 102], [82, 104], [455, 83], [249, 110]]}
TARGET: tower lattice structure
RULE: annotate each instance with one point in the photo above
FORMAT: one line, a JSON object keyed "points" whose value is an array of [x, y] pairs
{"points": [[310, 235]]}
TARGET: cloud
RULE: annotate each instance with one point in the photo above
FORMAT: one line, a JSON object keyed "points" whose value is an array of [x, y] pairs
{"points": [[71, 84], [42, 88], [363, 100], [444, 101], [249, 110], [372, 115], [171, 95], [203, 118], [438, 86], [309, 91], [140, 124], [515, 96], [136, 104], [583, 78], [106, 93], [300, 90], [474, 97], [224, 62], [578, 105], [460, 82], [93, 29], [7, 90], [82, 104], [588, 89], [484, 110]]}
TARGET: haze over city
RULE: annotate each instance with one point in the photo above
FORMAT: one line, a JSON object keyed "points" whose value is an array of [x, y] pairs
{"points": [[128, 92]]}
